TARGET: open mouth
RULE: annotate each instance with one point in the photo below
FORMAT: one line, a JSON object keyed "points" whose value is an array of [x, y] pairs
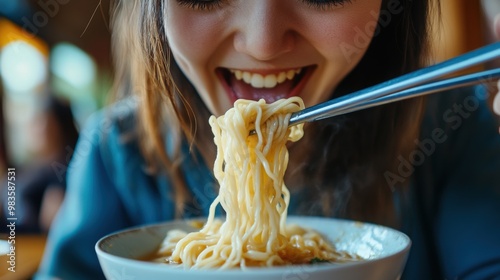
{"points": [[269, 85]]}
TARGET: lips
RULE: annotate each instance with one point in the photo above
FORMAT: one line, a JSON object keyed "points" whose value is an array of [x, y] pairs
{"points": [[267, 85]]}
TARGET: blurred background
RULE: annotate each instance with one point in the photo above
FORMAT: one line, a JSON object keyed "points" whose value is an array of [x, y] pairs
{"points": [[55, 70], [50, 49]]}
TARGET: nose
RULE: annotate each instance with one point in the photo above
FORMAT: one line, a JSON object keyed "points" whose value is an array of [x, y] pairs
{"points": [[264, 32]]}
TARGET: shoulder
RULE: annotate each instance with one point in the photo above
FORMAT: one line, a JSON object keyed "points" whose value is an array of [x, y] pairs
{"points": [[457, 112], [109, 136], [116, 124], [459, 132], [117, 120], [457, 157], [462, 181]]}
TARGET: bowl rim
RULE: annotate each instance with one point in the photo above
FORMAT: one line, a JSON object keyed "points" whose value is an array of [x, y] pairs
{"points": [[277, 270]]}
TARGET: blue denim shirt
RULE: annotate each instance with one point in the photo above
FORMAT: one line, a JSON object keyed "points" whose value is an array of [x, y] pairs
{"points": [[451, 211]]}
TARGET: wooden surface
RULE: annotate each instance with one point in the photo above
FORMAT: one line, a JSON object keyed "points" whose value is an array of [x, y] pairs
{"points": [[29, 251]]}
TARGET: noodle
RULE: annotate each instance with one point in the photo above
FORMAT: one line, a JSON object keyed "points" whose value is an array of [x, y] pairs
{"points": [[250, 170]]}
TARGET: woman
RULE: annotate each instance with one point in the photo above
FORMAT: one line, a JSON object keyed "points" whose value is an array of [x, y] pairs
{"points": [[148, 158]]}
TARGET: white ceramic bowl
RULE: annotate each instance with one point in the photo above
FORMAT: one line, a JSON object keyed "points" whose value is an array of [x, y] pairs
{"points": [[385, 252]]}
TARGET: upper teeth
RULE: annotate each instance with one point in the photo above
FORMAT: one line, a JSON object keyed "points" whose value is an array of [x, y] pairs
{"points": [[265, 81]]}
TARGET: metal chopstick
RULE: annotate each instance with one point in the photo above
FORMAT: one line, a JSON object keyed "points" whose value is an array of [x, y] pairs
{"points": [[433, 87], [341, 104]]}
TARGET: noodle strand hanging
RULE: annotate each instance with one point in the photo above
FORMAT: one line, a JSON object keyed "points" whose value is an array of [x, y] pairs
{"points": [[250, 168]]}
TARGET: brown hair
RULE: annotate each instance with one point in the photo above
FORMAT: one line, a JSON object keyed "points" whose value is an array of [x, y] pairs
{"points": [[339, 167], [356, 149]]}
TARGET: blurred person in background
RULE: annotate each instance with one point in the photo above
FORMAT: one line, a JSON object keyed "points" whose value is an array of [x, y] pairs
{"points": [[41, 184]]}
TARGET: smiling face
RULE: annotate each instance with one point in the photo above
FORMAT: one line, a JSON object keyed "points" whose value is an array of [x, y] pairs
{"points": [[270, 49]]}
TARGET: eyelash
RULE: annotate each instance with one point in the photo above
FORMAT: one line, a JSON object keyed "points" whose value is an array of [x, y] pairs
{"points": [[201, 5], [325, 4], [207, 5]]}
